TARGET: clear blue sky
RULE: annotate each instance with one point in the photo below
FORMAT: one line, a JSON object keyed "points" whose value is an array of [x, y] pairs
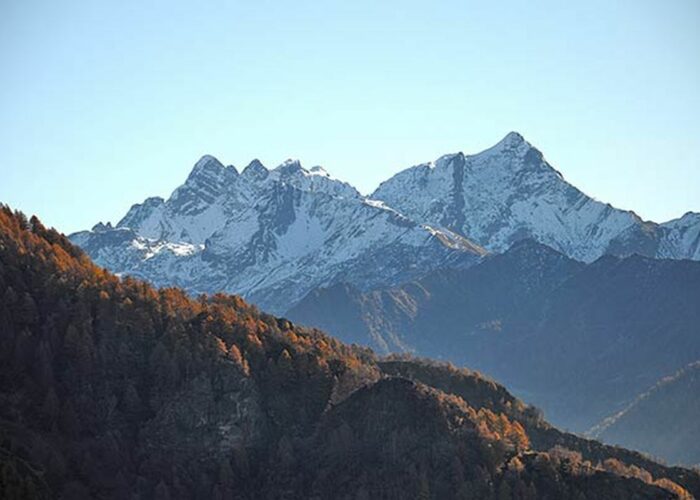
{"points": [[105, 103]]}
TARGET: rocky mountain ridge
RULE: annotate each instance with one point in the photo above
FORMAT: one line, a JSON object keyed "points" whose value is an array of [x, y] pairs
{"points": [[510, 192], [271, 236], [274, 235]]}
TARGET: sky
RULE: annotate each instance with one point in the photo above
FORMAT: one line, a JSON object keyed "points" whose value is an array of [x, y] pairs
{"points": [[103, 104]]}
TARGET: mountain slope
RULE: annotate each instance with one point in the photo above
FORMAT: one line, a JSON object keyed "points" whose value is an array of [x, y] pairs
{"points": [[482, 392], [509, 192], [113, 389], [271, 236], [663, 420], [608, 329], [408, 317]]}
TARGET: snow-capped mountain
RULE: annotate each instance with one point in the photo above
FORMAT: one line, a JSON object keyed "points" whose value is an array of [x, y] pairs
{"points": [[271, 236], [274, 235], [509, 192], [212, 193]]}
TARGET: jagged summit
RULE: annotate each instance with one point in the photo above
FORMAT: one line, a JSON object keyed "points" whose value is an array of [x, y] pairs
{"points": [[271, 233], [207, 162], [511, 140], [208, 173], [101, 227], [255, 163], [688, 217], [504, 194], [444, 161], [272, 236], [515, 153], [255, 171], [289, 165], [318, 169], [205, 159]]}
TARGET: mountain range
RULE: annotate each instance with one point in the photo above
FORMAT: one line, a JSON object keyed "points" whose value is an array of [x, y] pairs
{"points": [[492, 260], [273, 236], [509, 192], [270, 236], [113, 389]]}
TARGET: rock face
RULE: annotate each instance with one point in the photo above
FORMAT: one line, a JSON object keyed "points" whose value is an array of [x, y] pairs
{"points": [[271, 236], [509, 192]]}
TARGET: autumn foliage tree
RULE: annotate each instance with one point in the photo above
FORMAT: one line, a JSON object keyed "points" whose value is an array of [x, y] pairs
{"points": [[110, 388]]}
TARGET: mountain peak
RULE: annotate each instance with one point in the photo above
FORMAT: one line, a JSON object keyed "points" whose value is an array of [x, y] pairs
{"points": [[206, 166], [685, 219], [513, 141], [502, 194], [316, 180], [289, 166], [513, 137], [319, 170], [153, 201], [255, 170], [447, 159], [255, 164], [100, 227], [207, 161]]}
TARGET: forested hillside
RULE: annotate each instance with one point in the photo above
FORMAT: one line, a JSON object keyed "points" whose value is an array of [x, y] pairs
{"points": [[113, 389]]}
